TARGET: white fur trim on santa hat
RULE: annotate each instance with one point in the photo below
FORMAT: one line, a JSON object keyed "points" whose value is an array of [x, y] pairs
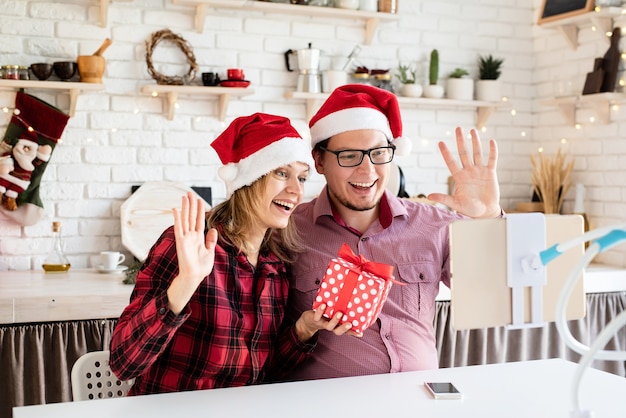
{"points": [[403, 145], [350, 119], [277, 154]]}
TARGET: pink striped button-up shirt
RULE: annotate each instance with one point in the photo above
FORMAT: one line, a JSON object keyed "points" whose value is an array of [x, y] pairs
{"points": [[410, 236]]}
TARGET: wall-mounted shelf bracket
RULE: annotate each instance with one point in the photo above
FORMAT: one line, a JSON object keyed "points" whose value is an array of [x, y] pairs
{"points": [[104, 11], [600, 102], [570, 32], [172, 92], [602, 19], [313, 101], [73, 88]]}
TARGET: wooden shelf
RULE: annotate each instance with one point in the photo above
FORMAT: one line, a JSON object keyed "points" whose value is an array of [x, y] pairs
{"points": [[73, 88], [484, 109], [171, 95], [600, 102], [601, 19], [371, 18]]}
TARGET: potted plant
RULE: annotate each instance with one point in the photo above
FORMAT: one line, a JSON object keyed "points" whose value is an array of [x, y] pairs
{"points": [[433, 90], [460, 86], [407, 75], [488, 86]]}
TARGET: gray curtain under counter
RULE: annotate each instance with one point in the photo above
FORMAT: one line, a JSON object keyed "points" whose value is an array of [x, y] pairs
{"points": [[36, 359], [499, 345]]}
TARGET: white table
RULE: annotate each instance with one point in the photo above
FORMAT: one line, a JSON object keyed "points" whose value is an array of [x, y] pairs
{"points": [[534, 389]]}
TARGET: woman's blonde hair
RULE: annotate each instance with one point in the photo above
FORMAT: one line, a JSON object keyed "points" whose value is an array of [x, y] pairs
{"points": [[239, 214]]}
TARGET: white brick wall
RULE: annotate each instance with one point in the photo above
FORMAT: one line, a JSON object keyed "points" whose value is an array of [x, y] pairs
{"points": [[120, 137]]}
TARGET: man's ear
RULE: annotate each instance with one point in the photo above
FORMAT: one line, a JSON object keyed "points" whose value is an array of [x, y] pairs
{"points": [[318, 157]]}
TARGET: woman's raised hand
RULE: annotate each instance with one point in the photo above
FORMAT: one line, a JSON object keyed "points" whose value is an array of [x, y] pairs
{"points": [[195, 251]]}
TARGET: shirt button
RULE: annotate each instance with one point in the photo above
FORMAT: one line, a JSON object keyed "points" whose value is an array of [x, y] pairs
{"points": [[387, 336], [363, 239], [317, 282], [421, 276], [162, 311]]}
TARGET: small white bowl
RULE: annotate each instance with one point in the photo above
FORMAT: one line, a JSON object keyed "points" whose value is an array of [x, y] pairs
{"points": [[347, 4]]}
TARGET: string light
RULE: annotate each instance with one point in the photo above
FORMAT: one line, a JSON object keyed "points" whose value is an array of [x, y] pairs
{"points": [[29, 128]]}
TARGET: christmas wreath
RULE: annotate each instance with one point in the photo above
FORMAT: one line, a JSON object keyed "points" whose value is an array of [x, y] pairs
{"points": [[184, 46]]}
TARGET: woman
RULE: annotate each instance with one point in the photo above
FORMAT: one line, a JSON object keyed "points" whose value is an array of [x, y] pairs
{"points": [[208, 306]]}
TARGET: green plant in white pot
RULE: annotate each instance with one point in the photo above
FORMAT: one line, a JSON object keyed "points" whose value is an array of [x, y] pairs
{"points": [[407, 76], [488, 86], [460, 86], [433, 90]]}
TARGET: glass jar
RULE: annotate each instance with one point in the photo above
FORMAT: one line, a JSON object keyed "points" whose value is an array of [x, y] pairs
{"points": [[11, 72], [360, 78], [388, 6], [23, 73], [383, 81]]}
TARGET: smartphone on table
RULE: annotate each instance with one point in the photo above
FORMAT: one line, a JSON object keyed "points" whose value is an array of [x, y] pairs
{"points": [[443, 390]]}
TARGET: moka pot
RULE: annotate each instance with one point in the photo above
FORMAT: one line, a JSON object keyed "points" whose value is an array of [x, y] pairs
{"points": [[309, 79]]}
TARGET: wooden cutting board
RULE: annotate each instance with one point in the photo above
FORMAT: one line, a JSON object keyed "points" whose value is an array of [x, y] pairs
{"points": [[148, 212]]}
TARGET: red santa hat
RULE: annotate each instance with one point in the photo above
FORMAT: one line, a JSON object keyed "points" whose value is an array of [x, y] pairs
{"points": [[254, 145], [360, 106]]}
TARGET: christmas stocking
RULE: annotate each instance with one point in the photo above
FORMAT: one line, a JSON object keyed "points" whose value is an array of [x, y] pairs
{"points": [[30, 138]]}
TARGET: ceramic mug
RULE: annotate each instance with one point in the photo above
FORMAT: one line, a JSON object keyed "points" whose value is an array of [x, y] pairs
{"points": [[235, 74], [109, 260], [331, 79], [210, 79]]}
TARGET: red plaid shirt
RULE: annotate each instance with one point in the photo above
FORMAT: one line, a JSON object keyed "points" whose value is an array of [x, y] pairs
{"points": [[229, 334]]}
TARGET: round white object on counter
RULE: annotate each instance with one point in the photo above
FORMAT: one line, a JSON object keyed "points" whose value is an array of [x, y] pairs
{"points": [[148, 212]]}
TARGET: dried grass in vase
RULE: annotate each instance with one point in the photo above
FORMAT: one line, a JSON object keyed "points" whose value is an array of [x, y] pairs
{"points": [[551, 179]]}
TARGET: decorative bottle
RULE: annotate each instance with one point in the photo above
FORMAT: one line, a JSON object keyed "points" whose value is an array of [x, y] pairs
{"points": [[56, 261], [579, 206]]}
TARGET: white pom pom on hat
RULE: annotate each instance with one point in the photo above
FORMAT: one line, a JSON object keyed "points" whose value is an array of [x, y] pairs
{"points": [[252, 146], [359, 106]]}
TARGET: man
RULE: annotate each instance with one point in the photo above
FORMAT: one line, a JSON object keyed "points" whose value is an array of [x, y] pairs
{"points": [[354, 136]]}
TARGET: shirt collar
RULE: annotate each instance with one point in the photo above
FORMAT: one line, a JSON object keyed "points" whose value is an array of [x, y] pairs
{"points": [[390, 207]]}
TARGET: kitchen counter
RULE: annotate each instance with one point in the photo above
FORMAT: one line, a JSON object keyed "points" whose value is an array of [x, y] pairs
{"points": [[36, 296]]}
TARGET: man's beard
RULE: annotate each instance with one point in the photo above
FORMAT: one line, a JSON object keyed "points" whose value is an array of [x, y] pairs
{"points": [[351, 206]]}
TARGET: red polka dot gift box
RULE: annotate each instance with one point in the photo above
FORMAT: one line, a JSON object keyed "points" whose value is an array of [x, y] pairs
{"points": [[355, 286]]}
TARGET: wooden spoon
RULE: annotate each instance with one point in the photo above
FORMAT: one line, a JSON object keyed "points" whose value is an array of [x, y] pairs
{"points": [[103, 47]]}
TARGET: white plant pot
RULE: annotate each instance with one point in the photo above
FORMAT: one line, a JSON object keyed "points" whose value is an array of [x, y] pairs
{"points": [[411, 90], [433, 91], [489, 90], [460, 89]]}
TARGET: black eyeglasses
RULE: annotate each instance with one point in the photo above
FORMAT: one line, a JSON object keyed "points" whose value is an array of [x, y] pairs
{"points": [[354, 157]]}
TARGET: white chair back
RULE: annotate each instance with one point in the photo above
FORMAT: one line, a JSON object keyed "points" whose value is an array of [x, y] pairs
{"points": [[92, 378]]}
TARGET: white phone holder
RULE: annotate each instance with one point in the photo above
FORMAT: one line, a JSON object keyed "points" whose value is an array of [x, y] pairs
{"points": [[525, 264], [525, 239]]}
